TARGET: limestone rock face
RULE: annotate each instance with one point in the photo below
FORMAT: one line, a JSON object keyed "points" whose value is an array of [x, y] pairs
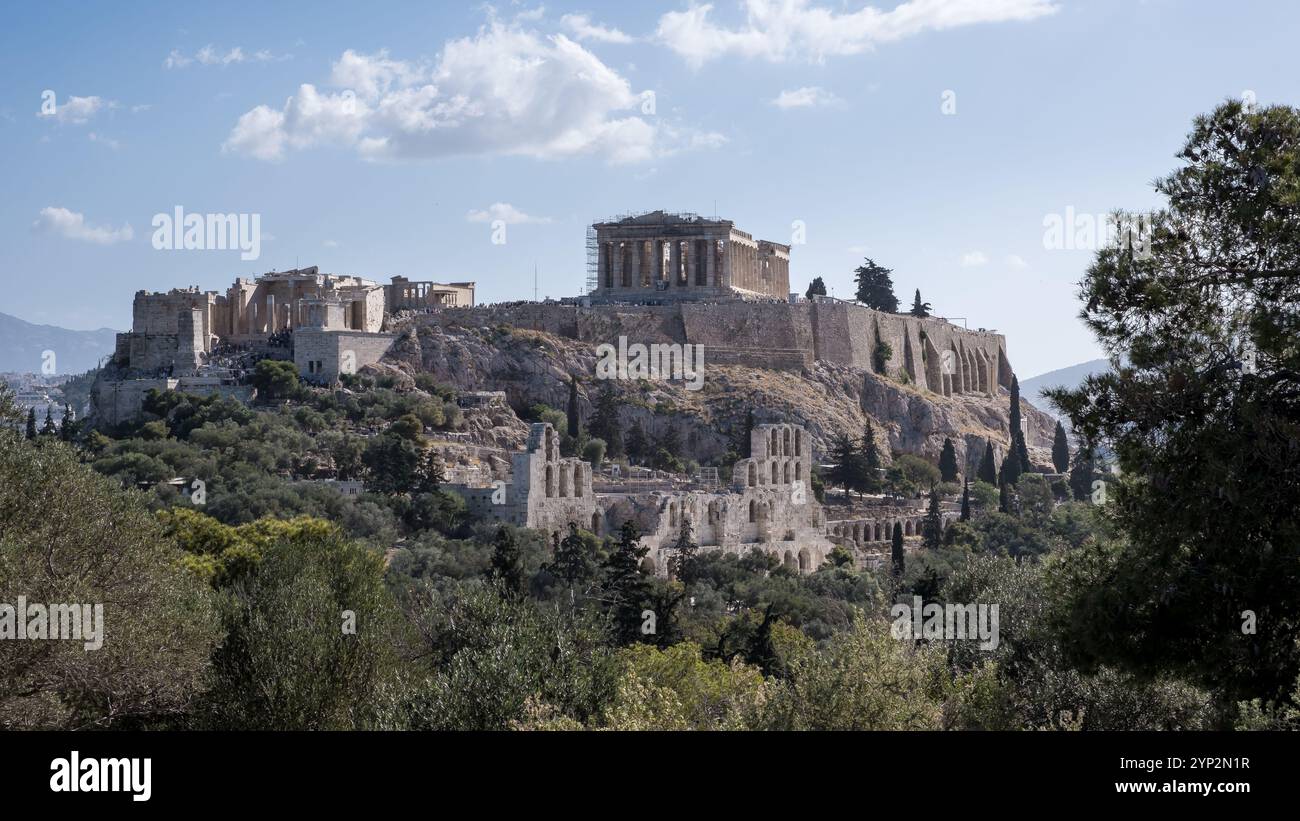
{"points": [[827, 399]]}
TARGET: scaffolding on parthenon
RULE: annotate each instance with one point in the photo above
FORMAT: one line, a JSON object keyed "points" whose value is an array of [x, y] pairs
{"points": [[593, 260]]}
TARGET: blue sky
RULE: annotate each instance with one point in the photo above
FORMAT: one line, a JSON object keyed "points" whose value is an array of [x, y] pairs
{"points": [[374, 138]]}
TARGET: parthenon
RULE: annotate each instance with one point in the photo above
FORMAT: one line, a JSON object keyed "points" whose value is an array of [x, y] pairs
{"points": [[683, 256]]}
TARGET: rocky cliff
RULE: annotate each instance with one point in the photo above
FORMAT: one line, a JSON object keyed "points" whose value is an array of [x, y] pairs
{"points": [[828, 399]]}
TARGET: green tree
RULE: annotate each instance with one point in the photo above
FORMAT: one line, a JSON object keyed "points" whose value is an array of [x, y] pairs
{"points": [[871, 463], [408, 426], [507, 562], [572, 411], [683, 564], [275, 379], [1199, 321], [49, 429], [988, 469], [848, 472], [31, 423], [638, 445], [1082, 473], [1010, 472], [1018, 446], [625, 590], [594, 451], [743, 443], [393, 463], [1060, 449], [572, 559], [71, 536], [875, 288], [430, 476], [897, 552], [68, 427], [816, 288], [920, 309], [312, 638], [932, 525], [948, 461], [605, 420], [965, 501]]}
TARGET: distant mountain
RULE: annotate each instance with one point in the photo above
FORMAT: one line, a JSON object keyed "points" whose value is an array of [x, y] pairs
{"points": [[1033, 387], [23, 346]]}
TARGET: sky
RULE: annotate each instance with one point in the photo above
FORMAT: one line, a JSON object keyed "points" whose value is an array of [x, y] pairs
{"points": [[937, 137]]}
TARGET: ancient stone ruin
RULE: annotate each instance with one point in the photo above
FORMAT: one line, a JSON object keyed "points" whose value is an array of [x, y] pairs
{"points": [[768, 507]]}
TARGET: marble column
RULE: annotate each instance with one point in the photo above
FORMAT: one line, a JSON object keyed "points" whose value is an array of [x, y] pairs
{"points": [[710, 262], [674, 262]]}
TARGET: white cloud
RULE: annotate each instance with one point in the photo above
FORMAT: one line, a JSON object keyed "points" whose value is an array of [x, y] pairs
{"points": [[584, 29], [505, 212], [504, 90], [330, 243], [1016, 261], [806, 97], [71, 225], [77, 110], [778, 30], [974, 259], [211, 56]]}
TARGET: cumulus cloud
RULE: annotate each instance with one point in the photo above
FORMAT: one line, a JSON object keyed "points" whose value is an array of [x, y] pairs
{"points": [[505, 212], [76, 110], [71, 225], [505, 90], [806, 97], [1016, 261], [778, 30], [974, 259], [584, 29]]}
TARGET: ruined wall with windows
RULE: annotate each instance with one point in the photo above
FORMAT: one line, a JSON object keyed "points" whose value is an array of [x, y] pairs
{"points": [[769, 507]]}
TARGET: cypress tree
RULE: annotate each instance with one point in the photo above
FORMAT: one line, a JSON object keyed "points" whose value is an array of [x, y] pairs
{"points": [[948, 461], [48, 429], [743, 445], [847, 457], [68, 428], [1081, 475], [920, 309], [1018, 446], [988, 469], [31, 423], [932, 528], [1060, 450], [869, 467], [685, 550], [896, 551], [965, 501], [1004, 503], [1010, 473], [573, 408]]}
